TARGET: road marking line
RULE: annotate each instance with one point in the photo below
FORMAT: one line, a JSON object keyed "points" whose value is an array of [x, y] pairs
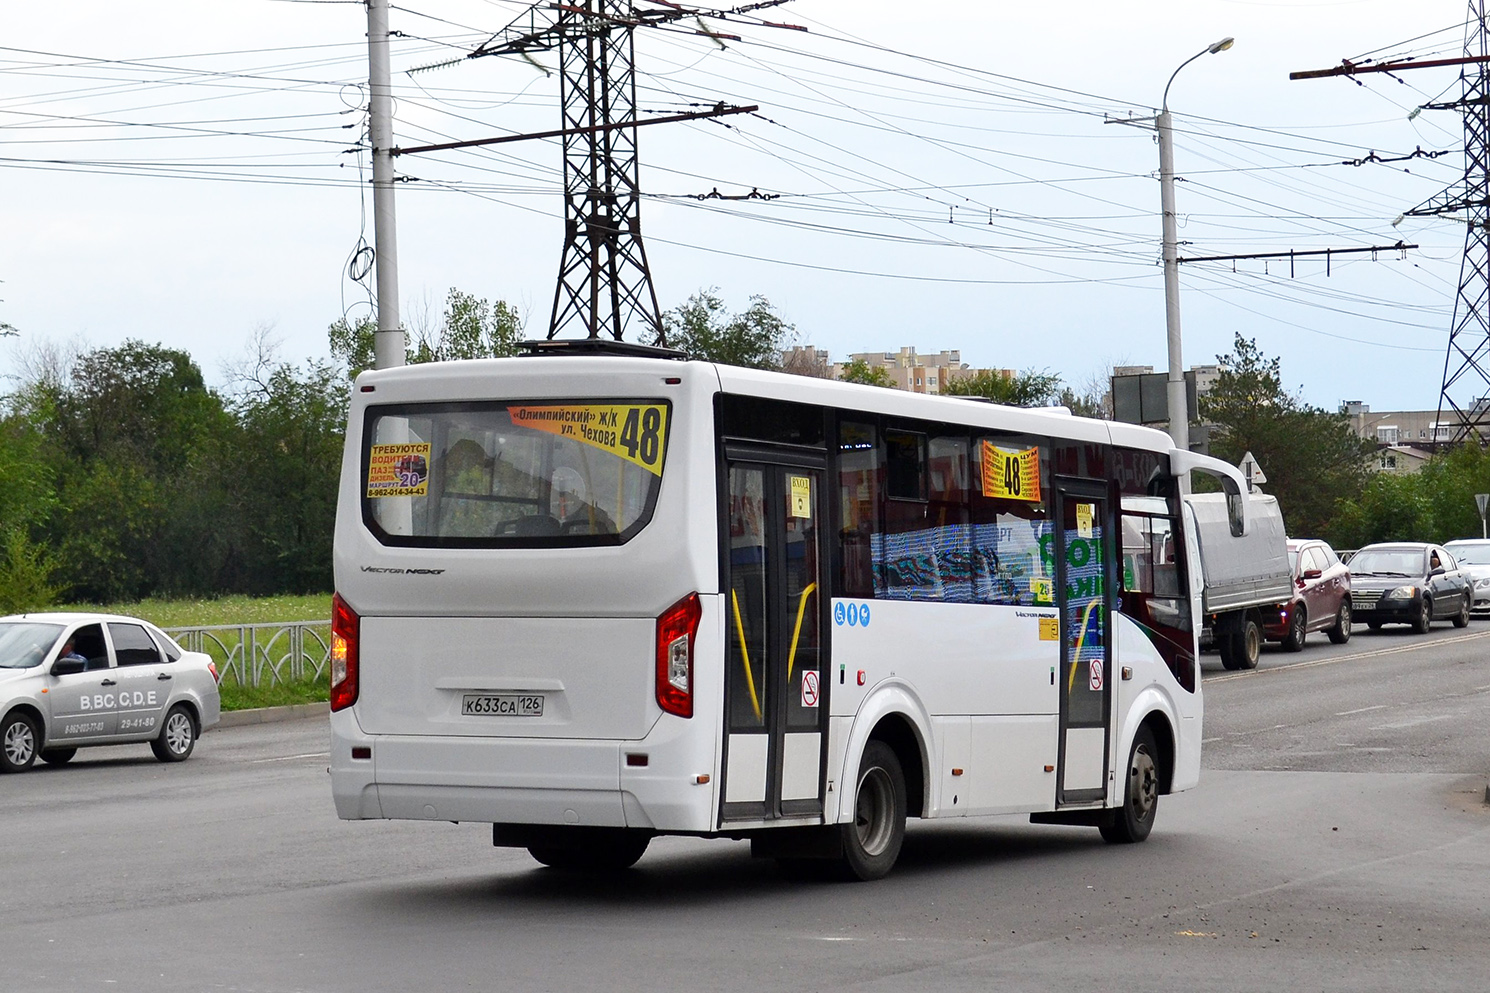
{"points": [[1413, 722], [1347, 713], [291, 758], [1349, 658]]}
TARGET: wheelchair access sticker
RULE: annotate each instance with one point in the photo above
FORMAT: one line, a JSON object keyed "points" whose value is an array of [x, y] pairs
{"points": [[852, 614]]}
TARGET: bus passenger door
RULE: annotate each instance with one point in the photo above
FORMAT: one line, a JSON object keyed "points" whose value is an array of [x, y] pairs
{"points": [[775, 683], [1084, 597]]}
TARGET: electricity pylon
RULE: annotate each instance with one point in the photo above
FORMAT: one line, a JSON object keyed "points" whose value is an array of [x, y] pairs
{"points": [[604, 280]]}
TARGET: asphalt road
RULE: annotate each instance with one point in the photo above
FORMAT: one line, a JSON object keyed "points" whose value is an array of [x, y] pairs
{"points": [[1339, 841]]}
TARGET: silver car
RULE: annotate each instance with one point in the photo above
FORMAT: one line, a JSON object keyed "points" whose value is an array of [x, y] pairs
{"points": [[71, 680], [1474, 558]]}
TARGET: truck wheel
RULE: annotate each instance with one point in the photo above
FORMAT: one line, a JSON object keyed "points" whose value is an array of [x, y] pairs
{"points": [[1424, 620], [1298, 630], [1340, 633], [1135, 818], [1241, 647]]}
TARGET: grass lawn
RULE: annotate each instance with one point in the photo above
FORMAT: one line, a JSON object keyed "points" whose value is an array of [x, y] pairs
{"points": [[235, 697], [238, 610], [224, 610]]}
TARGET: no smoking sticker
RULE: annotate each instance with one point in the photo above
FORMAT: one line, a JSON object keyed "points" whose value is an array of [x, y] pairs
{"points": [[1094, 669], [810, 695]]}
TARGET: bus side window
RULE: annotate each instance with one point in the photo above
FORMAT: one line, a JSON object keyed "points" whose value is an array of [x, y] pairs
{"points": [[1011, 533], [860, 459]]}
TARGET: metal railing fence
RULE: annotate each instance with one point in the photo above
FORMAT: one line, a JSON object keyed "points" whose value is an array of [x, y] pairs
{"points": [[262, 654]]}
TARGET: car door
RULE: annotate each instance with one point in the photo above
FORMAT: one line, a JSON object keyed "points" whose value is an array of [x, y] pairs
{"points": [[1448, 589], [144, 679], [1318, 599], [84, 705]]}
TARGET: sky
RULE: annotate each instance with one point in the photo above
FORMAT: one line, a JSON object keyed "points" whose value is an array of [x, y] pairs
{"points": [[193, 174]]}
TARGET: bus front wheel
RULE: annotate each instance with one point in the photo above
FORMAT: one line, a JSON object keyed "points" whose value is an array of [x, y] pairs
{"points": [[871, 841], [1135, 818]]}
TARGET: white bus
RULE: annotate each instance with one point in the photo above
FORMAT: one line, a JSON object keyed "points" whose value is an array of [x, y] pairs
{"points": [[592, 598]]}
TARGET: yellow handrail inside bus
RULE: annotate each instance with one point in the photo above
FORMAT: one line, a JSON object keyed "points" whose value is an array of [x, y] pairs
{"points": [[1086, 616], [791, 658], [755, 700]]}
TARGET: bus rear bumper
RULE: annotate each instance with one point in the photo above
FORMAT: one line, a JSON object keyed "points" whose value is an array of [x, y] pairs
{"points": [[547, 781]]}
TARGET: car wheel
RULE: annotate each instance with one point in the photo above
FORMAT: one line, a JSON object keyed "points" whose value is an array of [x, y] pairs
{"points": [[1297, 630], [1374, 625], [58, 756], [1135, 818], [871, 842], [594, 850], [17, 743], [178, 736], [1461, 619], [1340, 633], [1424, 620]]}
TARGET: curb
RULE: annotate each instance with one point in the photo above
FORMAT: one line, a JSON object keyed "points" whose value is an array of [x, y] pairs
{"points": [[272, 715]]}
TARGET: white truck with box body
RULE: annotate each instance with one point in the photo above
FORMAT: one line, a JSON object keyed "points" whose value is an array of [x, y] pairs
{"points": [[1243, 571]]}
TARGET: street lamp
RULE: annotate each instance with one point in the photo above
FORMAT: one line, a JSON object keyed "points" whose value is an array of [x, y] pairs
{"points": [[1179, 414]]}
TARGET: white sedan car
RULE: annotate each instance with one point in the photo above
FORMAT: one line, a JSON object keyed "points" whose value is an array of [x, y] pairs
{"points": [[71, 680]]}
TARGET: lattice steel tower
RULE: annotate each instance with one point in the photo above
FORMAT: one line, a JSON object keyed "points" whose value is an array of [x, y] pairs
{"points": [[1466, 369], [604, 282]]}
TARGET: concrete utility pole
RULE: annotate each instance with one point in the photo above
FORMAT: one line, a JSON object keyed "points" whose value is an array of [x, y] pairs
{"points": [[1179, 413], [389, 343]]}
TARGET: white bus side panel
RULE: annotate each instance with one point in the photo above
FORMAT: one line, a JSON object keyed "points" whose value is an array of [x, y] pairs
{"points": [[985, 663], [1154, 688]]}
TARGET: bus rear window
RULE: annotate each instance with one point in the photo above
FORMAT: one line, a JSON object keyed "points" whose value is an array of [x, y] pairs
{"points": [[539, 473]]}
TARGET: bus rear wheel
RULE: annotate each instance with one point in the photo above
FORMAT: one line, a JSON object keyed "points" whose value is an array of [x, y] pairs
{"points": [[871, 841], [594, 850], [1135, 818]]}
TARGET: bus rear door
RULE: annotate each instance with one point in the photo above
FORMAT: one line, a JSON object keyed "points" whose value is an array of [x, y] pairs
{"points": [[776, 676]]}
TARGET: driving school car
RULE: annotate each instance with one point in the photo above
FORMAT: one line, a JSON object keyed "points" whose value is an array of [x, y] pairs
{"points": [[124, 681]]}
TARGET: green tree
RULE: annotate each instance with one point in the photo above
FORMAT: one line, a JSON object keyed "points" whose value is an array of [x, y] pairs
{"points": [[1390, 507], [470, 328], [124, 429], [1313, 459], [284, 461], [352, 343], [1030, 388], [27, 499], [1450, 480], [703, 329], [25, 573], [859, 371]]}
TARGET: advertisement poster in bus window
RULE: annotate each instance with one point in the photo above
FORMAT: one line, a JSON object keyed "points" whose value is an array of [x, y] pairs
{"points": [[398, 470], [634, 432], [1011, 475], [1004, 562]]}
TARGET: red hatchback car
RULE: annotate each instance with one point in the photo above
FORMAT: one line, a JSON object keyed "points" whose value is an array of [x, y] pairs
{"points": [[1321, 597]]}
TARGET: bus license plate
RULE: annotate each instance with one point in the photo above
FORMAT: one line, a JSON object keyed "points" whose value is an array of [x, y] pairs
{"points": [[503, 704]]}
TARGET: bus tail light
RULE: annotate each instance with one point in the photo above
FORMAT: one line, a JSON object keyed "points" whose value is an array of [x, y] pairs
{"points": [[345, 626], [676, 629]]}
